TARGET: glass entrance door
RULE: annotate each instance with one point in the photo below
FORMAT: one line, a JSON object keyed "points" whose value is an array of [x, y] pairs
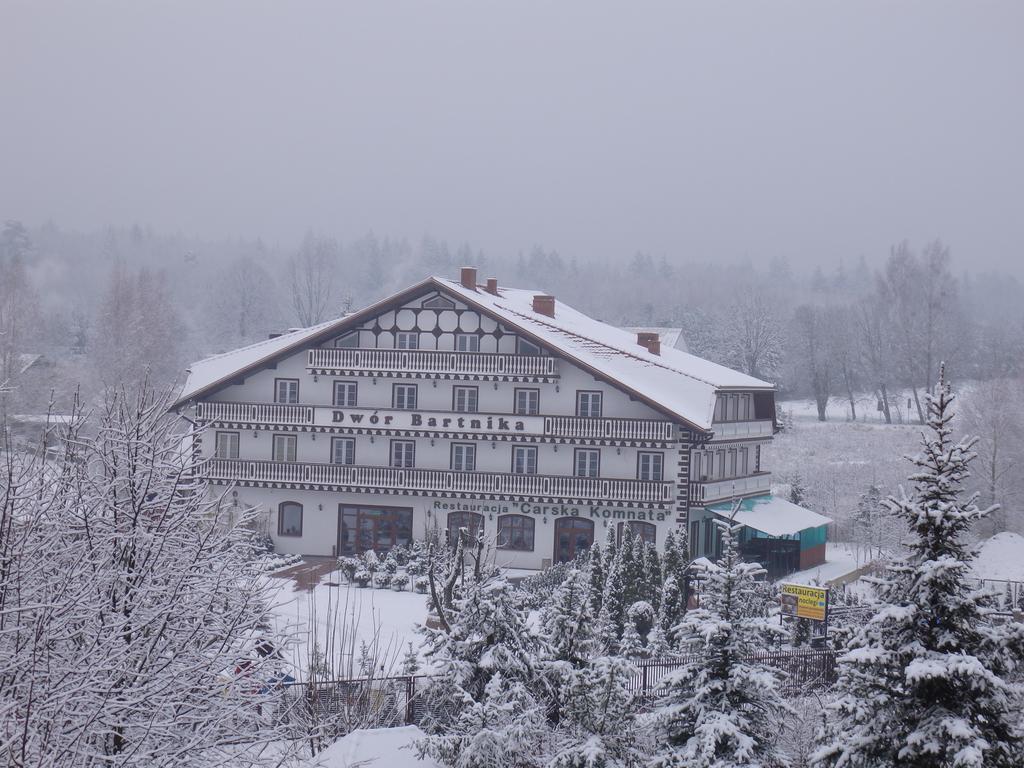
{"points": [[362, 528], [572, 535]]}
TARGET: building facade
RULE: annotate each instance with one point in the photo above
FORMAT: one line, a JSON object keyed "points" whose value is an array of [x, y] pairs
{"points": [[458, 405]]}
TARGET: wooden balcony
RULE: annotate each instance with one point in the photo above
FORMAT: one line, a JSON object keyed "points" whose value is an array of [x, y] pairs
{"points": [[266, 415], [480, 365], [709, 492], [344, 477], [743, 430]]}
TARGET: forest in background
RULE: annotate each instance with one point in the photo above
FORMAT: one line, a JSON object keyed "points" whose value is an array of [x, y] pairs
{"points": [[81, 312]]}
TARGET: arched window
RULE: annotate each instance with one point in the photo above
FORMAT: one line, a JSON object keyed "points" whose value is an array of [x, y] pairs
{"points": [[572, 536], [516, 532], [648, 532], [289, 518], [471, 521]]}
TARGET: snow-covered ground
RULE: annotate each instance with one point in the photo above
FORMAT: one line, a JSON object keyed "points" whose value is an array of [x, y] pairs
{"points": [[840, 559], [377, 748], [1001, 557], [339, 617]]}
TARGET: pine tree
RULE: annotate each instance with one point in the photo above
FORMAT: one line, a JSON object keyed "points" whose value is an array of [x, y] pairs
{"points": [[628, 566], [797, 492], [610, 622], [482, 705], [925, 681], [670, 613], [652, 577], [410, 661], [597, 573], [721, 710]]}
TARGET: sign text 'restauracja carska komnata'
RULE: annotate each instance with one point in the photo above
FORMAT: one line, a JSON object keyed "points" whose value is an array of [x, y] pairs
{"points": [[555, 510]]}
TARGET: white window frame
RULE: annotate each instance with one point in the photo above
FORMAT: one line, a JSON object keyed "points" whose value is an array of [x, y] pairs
{"points": [[400, 402], [650, 466], [463, 457], [524, 460], [283, 391], [407, 340], [403, 454], [348, 452], [228, 451], [532, 404], [467, 342], [590, 397], [586, 462], [350, 394], [348, 341], [285, 448], [467, 394]]}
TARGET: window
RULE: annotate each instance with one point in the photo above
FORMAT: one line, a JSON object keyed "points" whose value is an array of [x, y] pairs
{"points": [[286, 390], [732, 410], [438, 302], [407, 340], [527, 402], [403, 453], [648, 532], [463, 457], [289, 519], [719, 408], [373, 528], [471, 521], [516, 532], [572, 536], [343, 450], [284, 447], [744, 414], [403, 397], [467, 342], [694, 538], [524, 347], [524, 459], [226, 445], [346, 394], [649, 466], [587, 462], [348, 341], [732, 462], [734, 407], [465, 399], [720, 464], [709, 534], [744, 462], [588, 404]]}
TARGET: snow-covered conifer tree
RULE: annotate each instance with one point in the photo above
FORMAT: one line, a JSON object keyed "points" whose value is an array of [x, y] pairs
{"points": [[595, 569], [928, 680], [722, 710], [610, 622]]}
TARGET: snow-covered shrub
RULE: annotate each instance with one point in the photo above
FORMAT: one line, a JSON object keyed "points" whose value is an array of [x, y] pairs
{"points": [[262, 544], [400, 581], [539, 588], [362, 576], [422, 584], [275, 562], [381, 579], [349, 566], [390, 564]]}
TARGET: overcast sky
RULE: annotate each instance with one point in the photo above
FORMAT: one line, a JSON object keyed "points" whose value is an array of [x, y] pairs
{"points": [[717, 130]]}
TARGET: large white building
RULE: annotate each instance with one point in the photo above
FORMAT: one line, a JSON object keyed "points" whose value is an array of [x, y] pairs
{"points": [[455, 404]]}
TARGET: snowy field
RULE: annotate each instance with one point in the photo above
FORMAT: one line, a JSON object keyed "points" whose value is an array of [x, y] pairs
{"points": [[377, 748], [1001, 557]]}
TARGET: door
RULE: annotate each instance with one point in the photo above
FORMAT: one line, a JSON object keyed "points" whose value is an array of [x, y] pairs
{"points": [[572, 535]]}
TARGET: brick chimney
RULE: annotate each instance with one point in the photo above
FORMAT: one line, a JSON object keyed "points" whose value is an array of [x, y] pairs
{"points": [[492, 285], [651, 341], [468, 278], [544, 305]]}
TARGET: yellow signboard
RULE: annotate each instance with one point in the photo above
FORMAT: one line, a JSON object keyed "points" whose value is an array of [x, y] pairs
{"points": [[804, 602]]}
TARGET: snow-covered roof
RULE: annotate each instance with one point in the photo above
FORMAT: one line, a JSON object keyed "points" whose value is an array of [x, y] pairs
{"points": [[674, 382], [772, 515], [669, 337]]}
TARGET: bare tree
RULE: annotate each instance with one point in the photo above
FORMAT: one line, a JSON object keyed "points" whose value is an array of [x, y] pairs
{"points": [[755, 332], [874, 331], [311, 279], [811, 354]]}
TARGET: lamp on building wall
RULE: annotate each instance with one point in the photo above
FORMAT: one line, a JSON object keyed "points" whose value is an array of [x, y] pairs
{"points": [[431, 442], [320, 507], [557, 388], [316, 377]]}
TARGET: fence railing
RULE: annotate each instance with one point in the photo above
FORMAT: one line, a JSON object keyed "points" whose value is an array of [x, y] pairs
{"points": [[706, 491], [429, 361], [355, 476], [333, 708]]}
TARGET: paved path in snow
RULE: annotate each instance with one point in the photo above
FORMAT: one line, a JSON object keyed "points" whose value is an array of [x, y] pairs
{"points": [[309, 573]]}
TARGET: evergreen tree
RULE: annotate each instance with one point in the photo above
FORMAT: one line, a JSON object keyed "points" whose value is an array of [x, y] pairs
{"points": [[797, 492], [721, 710], [629, 569], [671, 612], [652, 577], [567, 620], [410, 661], [925, 681], [610, 622], [482, 705], [670, 562], [596, 572]]}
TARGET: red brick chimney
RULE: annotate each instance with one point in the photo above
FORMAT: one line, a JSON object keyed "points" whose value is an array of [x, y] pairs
{"points": [[468, 278], [492, 285], [651, 341], [544, 305]]}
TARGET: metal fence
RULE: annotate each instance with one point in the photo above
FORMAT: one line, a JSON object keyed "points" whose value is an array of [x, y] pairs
{"points": [[328, 710]]}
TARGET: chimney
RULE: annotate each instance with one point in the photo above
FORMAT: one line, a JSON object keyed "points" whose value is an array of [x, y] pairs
{"points": [[649, 340], [468, 278], [544, 305], [492, 285]]}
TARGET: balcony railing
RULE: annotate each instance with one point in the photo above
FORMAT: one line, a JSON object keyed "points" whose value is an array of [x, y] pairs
{"points": [[707, 492], [615, 429], [738, 430], [427, 361], [270, 414], [255, 413], [346, 476]]}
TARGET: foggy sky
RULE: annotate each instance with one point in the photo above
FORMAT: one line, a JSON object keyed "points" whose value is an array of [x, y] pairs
{"points": [[717, 130]]}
